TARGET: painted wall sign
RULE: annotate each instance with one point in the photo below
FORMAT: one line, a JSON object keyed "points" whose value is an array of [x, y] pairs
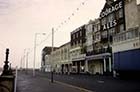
{"points": [[109, 25], [111, 9]]}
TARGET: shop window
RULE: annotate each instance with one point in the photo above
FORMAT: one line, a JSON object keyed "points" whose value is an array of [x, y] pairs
{"points": [[74, 63]]}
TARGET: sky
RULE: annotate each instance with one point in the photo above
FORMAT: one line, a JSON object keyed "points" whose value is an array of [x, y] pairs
{"points": [[21, 19]]}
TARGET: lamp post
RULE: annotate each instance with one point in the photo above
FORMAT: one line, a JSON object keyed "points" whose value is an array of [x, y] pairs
{"points": [[35, 50], [26, 53], [52, 55]]}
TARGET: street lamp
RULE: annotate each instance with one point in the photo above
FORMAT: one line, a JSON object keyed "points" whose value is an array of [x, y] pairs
{"points": [[26, 53], [35, 50]]}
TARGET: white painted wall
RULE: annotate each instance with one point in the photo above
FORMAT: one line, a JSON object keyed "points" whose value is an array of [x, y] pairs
{"points": [[126, 45]]}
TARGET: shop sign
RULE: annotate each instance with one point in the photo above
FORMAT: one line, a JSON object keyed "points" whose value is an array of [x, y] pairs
{"points": [[111, 9], [109, 25]]}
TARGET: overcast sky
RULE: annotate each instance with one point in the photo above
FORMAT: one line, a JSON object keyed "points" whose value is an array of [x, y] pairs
{"points": [[21, 19]]}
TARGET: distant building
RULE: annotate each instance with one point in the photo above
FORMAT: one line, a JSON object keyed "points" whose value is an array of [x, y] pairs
{"points": [[45, 52], [61, 59], [58, 60]]}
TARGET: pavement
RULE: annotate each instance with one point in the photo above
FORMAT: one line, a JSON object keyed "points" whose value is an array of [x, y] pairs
{"points": [[27, 83], [74, 83]]}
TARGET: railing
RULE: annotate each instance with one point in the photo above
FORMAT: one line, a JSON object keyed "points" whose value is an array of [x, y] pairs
{"points": [[100, 51], [127, 35], [8, 83]]}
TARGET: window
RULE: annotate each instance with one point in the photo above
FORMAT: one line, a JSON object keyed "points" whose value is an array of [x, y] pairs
{"points": [[80, 33], [95, 28], [104, 34], [77, 35], [80, 41], [98, 27], [114, 39], [77, 42], [97, 36], [89, 28], [104, 21], [121, 37], [121, 28], [120, 13], [73, 43], [111, 17], [136, 33], [73, 36], [130, 35], [112, 31]]}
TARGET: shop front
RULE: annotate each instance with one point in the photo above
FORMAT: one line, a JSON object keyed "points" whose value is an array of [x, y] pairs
{"points": [[99, 64]]}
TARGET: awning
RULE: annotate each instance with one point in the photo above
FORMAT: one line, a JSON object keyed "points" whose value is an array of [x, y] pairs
{"points": [[78, 59]]}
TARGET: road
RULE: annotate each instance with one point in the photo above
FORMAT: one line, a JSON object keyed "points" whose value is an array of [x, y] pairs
{"points": [[97, 83], [28, 83], [93, 83]]}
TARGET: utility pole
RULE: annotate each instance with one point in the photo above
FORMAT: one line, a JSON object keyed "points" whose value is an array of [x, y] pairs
{"points": [[21, 64], [27, 61], [35, 50], [52, 56], [34, 54]]}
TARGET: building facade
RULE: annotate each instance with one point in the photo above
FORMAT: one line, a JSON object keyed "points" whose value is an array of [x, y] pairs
{"points": [[59, 60], [126, 44], [78, 49], [94, 47], [62, 59], [94, 60], [110, 22], [45, 53]]}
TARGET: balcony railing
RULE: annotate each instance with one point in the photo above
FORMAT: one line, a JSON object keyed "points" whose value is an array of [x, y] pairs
{"points": [[100, 51]]}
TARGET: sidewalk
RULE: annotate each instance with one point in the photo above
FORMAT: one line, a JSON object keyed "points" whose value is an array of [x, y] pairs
{"points": [[28, 83]]}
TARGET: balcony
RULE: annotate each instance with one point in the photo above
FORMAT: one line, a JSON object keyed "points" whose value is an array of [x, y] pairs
{"points": [[103, 50], [106, 39], [78, 57], [99, 51]]}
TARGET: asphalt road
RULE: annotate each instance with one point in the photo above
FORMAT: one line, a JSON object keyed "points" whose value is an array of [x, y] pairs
{"points": [[96, 83], [28, 83]]}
